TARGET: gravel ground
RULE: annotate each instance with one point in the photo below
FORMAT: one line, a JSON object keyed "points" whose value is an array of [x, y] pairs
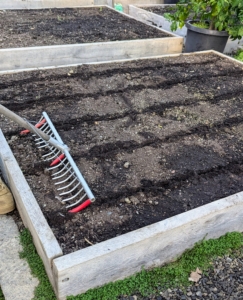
{"points": [[223, 282]]}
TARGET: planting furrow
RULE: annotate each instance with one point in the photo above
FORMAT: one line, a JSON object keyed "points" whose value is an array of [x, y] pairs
{"points": [[18, 99], [144, 206]]}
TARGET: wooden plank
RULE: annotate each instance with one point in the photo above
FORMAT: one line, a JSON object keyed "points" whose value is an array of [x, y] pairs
{"points": [[159, 21], [39, 4], [150, 246], [233, 45], [154, 19], [29, 210], [36, 57]]}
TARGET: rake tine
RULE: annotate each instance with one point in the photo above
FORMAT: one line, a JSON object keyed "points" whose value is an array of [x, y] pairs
{"points": [[74, 196], [71, 205], [43, 129], [60, 182], [70, 191], [57, 166], [52, 152], [60, 176], [40, 139], [60, 171], [50, 148], [65, 187], [44, 145]]}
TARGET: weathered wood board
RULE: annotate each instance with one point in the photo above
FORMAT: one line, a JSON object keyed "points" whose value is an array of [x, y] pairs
{"points": [[39, 4], [52, 56], [29, 210], [150, 18], [152, 245], [117, 258], [154, 19]]}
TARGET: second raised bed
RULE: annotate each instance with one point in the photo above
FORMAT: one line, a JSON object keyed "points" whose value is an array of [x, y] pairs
{"points": [[61, 36]]}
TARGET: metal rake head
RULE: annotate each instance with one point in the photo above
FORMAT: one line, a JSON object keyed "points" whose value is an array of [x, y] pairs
{"points": [[71, 185]]}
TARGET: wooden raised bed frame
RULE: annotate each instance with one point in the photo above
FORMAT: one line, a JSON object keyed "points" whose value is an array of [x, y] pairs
{"points": [[35, 4], [53, 56], [150, 18], [119, 257]]}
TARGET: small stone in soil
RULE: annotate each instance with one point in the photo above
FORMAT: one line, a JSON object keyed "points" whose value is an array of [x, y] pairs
{"points": [[127, 200], [134, 200], [126, 165]]}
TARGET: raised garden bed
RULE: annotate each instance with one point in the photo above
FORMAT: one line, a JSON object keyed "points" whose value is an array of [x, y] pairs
{"points": [[37, 4], [154, 15], [157, 140], [59, 36]]}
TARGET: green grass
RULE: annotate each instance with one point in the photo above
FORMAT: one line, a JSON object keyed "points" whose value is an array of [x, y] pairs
{"points": [[145, 282], [173, 275], [239, 55], [44, 290], [1, 294]]}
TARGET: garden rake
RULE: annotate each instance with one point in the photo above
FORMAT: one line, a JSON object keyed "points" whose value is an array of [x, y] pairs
{"points": [[68, 179]]}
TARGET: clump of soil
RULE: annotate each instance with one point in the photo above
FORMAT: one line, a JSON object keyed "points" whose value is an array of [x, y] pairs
{"points": [[58, 26], [153, 139]]}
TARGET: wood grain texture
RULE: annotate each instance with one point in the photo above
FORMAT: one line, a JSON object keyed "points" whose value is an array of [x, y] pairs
{"points": [[36, 57], [39, 4], [29, 210], [154, 19], [152, 245]]}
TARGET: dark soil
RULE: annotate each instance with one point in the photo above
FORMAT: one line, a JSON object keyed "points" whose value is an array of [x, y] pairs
{"points": [[24, 28], [153, 138]]}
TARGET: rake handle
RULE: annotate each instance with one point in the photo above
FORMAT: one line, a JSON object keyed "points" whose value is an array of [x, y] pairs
{"points": [[38, 125], [14, 117]]}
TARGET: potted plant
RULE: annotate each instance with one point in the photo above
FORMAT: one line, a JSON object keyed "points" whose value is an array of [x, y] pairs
{"points": [[209, 22]]}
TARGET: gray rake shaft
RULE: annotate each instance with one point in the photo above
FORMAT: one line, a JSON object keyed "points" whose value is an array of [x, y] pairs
{"points": [[66, 171]]}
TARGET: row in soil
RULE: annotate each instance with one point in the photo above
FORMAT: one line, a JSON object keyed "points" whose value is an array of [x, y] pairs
{"points": [[43, 27], [153, 138]]}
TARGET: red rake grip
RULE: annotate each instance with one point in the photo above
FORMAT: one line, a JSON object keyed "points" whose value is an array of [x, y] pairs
{"points": [[57, 160], [38, 125], [80, 207]]}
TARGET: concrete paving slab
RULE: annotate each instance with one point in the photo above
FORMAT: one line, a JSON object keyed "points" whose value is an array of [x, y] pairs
{"points": [[15, 275]]}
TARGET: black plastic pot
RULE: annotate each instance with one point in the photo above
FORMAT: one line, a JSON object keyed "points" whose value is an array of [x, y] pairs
{"points": [[199, 39], [170, 1]]}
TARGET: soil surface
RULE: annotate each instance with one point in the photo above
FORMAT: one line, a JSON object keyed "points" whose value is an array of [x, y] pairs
{"points": [[153, 139], [58, 26]]}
